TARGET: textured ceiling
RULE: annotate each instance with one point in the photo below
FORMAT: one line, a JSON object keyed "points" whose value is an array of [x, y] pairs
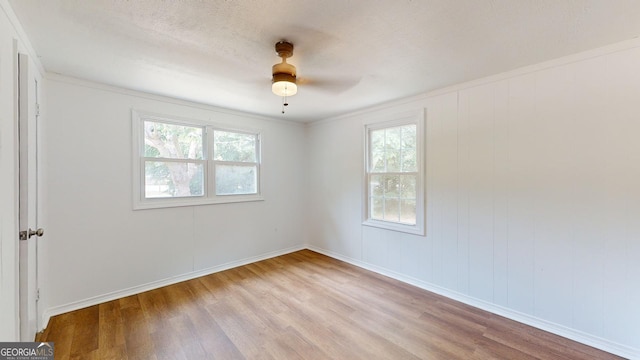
{"points": [[349, 54]]}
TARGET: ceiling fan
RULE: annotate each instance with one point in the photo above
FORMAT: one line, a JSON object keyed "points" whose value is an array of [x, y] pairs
{"points": [[284, 79], [284, 74]]}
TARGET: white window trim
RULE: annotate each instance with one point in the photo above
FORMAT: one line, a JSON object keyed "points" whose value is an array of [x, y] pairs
{"points": [[140, 202], [417, 118]]}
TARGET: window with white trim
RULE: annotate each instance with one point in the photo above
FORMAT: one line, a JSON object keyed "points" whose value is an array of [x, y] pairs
{"points": [[180, 162], [395, 174]]}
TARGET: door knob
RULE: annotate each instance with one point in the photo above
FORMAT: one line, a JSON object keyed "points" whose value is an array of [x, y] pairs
{"points": [[38, 232], [24, 235]]}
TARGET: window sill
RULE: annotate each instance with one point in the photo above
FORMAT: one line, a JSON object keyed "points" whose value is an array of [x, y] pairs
{"points": [[405, 228], [181, 202]]}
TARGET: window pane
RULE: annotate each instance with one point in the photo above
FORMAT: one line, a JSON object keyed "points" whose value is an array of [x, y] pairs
{"points": [[377, 208], [391, 185], [409, 160], [408, 212], [408, 187], [173, 179], [392, 146], [172, 141], [230, 146], [377, 150], [409, 148], [409, 136], [234, 180], [377, 185], [391, 210]]}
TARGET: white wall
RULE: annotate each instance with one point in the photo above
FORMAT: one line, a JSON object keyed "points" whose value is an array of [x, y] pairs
{"points": [[533, 197], [10, 32], [100, 248]]}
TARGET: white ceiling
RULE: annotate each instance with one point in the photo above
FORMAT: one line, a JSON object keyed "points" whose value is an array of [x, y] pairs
{"points": [[351, 53]]}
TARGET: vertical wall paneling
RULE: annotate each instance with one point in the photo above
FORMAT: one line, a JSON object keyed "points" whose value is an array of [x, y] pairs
{"points": [[633, 240], [500, 271], [464, 171], [480, 185], [422, 269], [553, 188], [442, 184], [589, 194], [621, 266], [521, 148], [375, 247], [396, 249], [433, 165]]}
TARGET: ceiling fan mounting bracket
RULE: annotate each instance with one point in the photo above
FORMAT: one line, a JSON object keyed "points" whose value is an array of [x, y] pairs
{"points": [[284, 49]]}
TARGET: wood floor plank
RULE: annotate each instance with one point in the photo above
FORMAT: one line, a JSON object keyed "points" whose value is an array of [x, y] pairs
{"points": [[86, 331], [110, 327], [213, 340], [244, 331], [303, 305], [60, 328], [137, 332]]}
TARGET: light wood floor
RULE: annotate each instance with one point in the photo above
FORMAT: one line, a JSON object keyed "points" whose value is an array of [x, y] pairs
{"points": [[298, 306]]}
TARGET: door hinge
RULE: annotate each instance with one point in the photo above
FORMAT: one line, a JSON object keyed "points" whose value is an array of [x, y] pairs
{"points": [[37, 109], [37, 295]]}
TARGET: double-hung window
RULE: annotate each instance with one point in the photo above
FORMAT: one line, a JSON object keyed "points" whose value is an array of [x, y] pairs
{"points": [[180, 162], [395, 174]]}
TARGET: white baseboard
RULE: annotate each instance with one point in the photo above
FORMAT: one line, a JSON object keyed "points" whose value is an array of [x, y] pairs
{"points": [[569, 333], [76, 305]]}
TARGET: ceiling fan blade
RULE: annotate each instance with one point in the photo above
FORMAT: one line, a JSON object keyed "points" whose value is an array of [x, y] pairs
{"points": [[334, 85]]}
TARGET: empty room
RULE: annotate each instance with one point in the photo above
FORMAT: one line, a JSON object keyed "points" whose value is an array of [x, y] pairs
{"points": [[411, 179]]}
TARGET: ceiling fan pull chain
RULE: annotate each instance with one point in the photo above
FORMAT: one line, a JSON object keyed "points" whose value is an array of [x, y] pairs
{"points": [[284, 102]]}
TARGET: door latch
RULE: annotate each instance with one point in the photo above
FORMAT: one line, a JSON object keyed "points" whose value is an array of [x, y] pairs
{"points": [[27, 234]]}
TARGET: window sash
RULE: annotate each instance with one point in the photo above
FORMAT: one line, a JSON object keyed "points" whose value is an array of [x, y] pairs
{"points": [[400, 150], [143, 172], [237, 164], [256, 140], [203, 137], [399, 197]]}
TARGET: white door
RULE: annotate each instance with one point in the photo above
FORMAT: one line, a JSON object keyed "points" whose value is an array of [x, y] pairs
{"points": [[27, 123]]}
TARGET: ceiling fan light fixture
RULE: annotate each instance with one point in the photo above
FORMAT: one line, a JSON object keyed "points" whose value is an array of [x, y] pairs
{"points": [[284, 84]]}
